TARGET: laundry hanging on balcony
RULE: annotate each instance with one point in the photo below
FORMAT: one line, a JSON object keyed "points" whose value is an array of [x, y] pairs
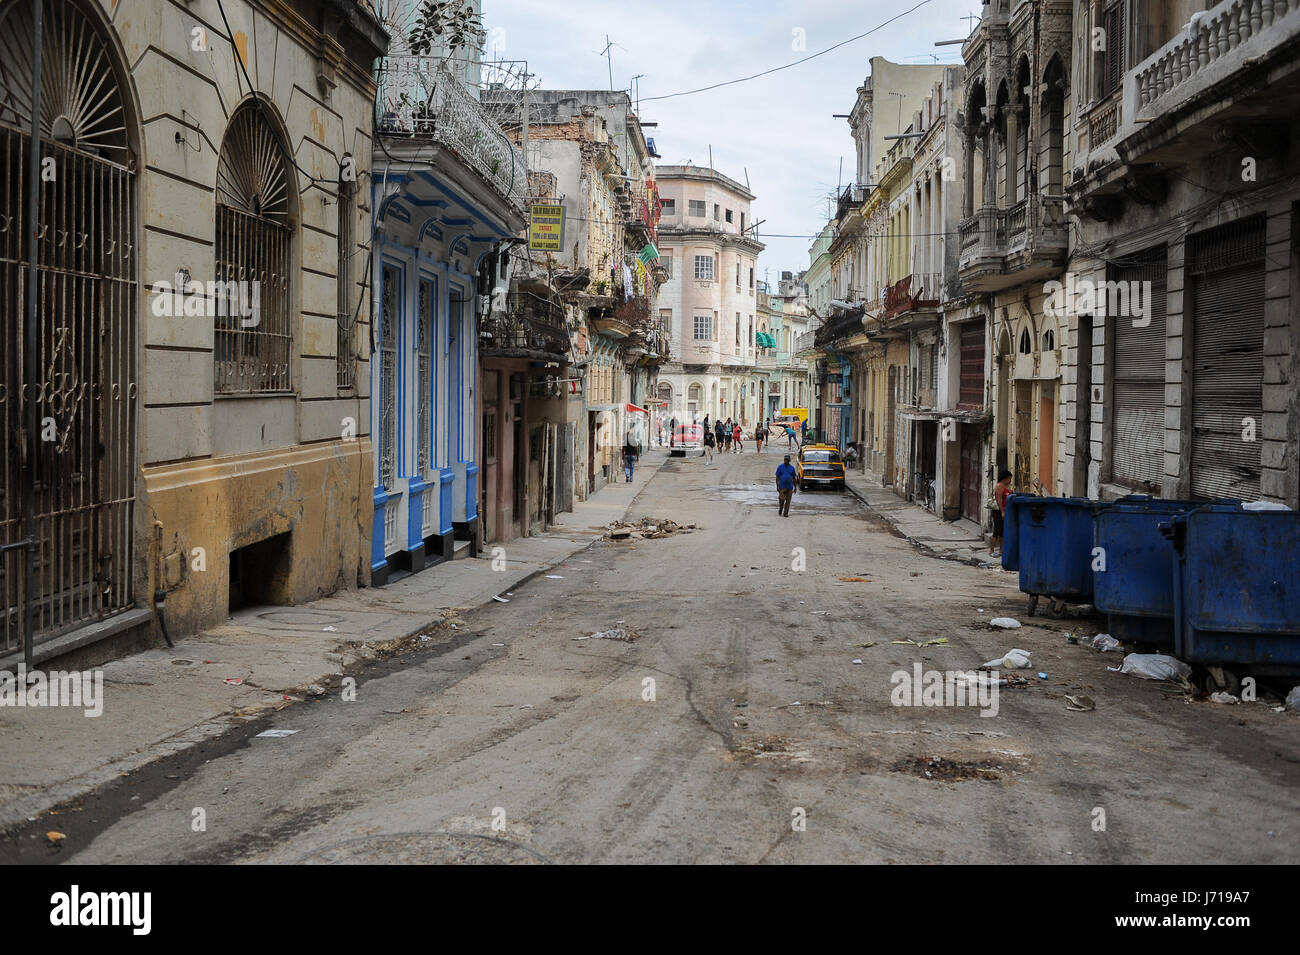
{"points": [[648, 254]]}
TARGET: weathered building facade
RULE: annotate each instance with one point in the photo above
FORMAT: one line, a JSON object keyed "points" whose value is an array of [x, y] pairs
{"points": [[1181, 299], [449, 188], [1014, 239], [203, 294], [710, 297]]}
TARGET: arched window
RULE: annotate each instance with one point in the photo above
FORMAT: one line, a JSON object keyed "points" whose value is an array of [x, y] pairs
{"points": [[253, 340], [1049, 340], [80, 376], [1026, 343]]}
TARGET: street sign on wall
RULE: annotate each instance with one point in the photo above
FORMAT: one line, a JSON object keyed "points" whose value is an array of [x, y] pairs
{"points": [[546, 228]]}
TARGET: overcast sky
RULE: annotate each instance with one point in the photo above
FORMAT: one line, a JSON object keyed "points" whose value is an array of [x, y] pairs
{"points": [[777, 128]]}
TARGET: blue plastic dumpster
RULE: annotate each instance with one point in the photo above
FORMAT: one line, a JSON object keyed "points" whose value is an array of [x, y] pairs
{"points": [[1049, 540], [1237, 587], [1136, 588]]}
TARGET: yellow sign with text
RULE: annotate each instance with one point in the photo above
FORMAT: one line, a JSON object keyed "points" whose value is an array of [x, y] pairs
{"points": [[546, 228]]}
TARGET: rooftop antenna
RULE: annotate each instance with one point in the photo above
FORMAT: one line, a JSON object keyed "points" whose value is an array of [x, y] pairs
{"points": [[609, 59], [636, 96], [747, 186], [710, 155]]}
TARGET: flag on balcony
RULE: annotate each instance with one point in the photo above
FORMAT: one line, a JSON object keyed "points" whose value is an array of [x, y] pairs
{"points": [[649, 254]]}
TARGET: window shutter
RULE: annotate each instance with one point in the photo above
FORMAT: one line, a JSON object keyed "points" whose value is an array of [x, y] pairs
{"points": [[1138, 381], [1226, 272]]}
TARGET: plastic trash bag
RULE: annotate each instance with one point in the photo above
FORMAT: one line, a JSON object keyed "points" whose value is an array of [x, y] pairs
{"points": [[1155, 666], [1011, 660], [1105, 643], [1005, 623]]}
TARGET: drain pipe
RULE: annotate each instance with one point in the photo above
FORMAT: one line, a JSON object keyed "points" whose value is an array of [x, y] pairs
{"points": [[160, 593]]}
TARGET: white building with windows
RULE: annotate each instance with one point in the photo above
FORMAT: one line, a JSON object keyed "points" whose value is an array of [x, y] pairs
{"points": [[709, 304]]}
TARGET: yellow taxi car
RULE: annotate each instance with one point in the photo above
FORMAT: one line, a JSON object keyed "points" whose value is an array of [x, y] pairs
{"points": [[820, 465]]}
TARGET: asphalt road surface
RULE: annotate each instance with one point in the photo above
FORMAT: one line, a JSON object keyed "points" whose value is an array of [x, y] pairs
{"points": [[760, 739]]}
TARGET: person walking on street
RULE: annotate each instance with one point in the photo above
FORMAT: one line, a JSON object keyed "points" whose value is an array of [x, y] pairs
{"points": [[803, 431], [1001, 491], [736, 434], [727, 435], [631, 452], [785, 475], [759, 435], [709, 441], [672, 433], [789, 436], [717, 434]]}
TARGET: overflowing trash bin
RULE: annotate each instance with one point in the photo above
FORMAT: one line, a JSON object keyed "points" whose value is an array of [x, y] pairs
{"points": [[1236, 586]]}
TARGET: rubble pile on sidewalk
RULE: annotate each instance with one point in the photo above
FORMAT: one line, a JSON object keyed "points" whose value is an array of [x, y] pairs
{"points": [[647, 528]]}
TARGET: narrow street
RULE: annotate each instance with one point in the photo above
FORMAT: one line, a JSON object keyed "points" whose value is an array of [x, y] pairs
{"points": [[759, 711]]}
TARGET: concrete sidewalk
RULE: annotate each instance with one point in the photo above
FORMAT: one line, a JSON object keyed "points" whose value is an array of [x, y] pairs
{"points": [[162, 701], [960, 540]]}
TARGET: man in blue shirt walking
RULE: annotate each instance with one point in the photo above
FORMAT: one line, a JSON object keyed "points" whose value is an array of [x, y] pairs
{"points": [[785, 475]]}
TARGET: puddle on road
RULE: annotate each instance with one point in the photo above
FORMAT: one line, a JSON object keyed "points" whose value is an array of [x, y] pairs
{"points": [[820, 502]]}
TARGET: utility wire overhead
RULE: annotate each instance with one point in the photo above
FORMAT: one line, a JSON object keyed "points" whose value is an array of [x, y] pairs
{"points": [[777, 69]]}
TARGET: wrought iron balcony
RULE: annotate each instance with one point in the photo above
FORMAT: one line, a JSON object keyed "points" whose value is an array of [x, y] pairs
{"points": [[853, 196], [531, 327], [919, 290], [420, 97]]}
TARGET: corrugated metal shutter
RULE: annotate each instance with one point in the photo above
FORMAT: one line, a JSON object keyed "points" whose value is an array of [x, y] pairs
{"points": [[971, 394], [1226, 275], [1138, 380]]}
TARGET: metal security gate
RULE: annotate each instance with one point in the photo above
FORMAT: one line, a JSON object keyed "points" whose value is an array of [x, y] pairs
{"points": [[1226, 272], [82, 469], [1137, 454]]}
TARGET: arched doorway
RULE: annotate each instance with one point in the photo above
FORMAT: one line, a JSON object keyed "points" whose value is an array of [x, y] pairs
{"points": [[80, 467]]}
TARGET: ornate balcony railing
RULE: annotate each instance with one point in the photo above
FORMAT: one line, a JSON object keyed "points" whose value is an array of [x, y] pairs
{"points": [[420, 97], [1104, 120], [1213, 35], [1017, 219], [531, 325]]}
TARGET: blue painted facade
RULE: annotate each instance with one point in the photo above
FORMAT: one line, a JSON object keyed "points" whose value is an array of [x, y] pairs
{"points": [[438, 225]]}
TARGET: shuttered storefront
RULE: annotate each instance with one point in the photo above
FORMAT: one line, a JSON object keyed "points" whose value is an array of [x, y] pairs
{"points": [[1138, 377], [971, 394], [1225, 273]]}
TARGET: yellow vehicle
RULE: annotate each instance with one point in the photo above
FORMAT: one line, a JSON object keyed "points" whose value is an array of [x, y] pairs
{"points": [[794, 417], [820, 465]]}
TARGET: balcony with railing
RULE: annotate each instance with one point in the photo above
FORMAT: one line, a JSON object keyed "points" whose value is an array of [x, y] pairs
{"points": [[915, 292], [853, 196], [1005, 247], [1235, 59], [530, 327], [419, 97]]}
